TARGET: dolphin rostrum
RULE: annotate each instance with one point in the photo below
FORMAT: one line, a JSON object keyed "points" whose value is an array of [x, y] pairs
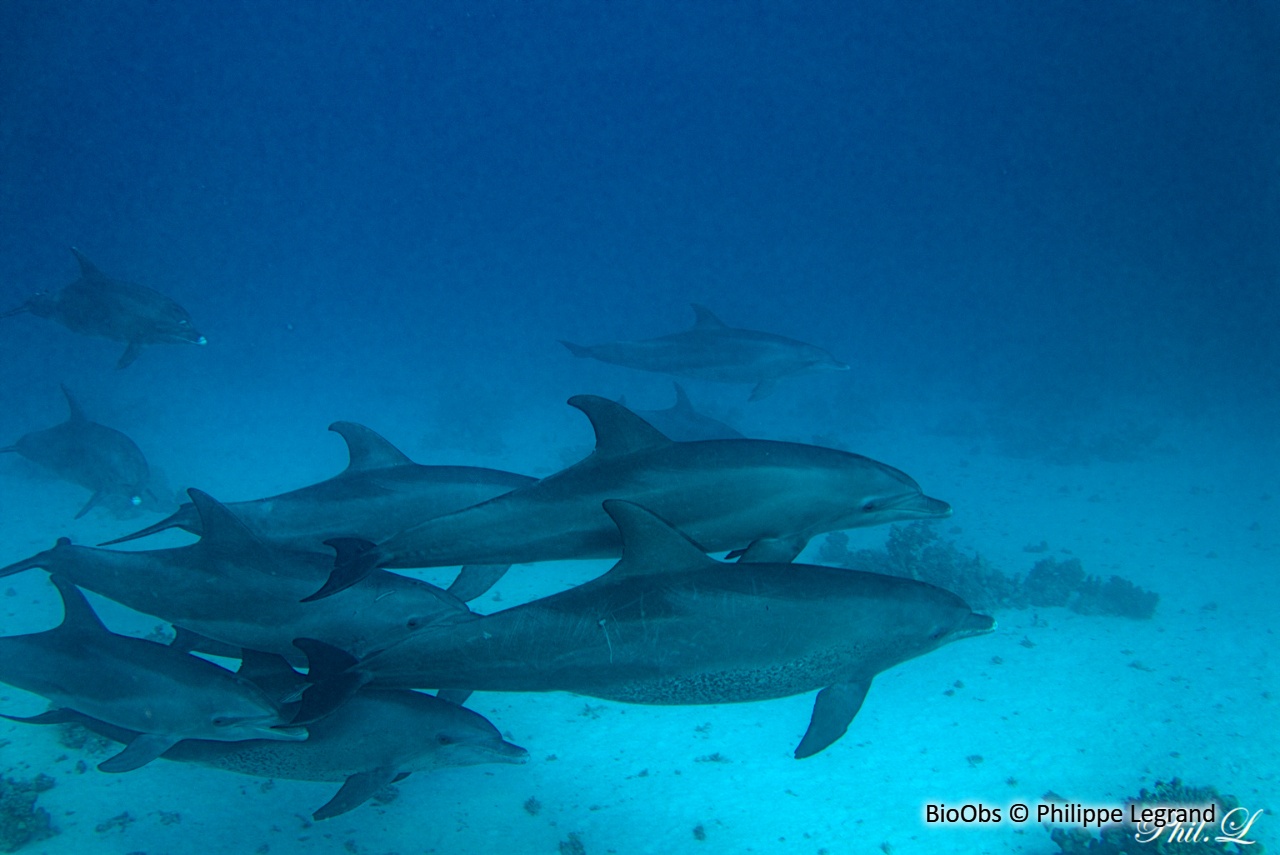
{"points": [[96, 457], [715, 351], [670, 625], [163, 694], [378, 738], [381, 492], [234, 588], [109, 308], [764, 497]]}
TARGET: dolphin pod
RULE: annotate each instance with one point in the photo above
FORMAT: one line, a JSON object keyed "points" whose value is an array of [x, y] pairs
{"points": [[304, 576], [171, 695], [763, 497], [670, 625], [378, 738]]}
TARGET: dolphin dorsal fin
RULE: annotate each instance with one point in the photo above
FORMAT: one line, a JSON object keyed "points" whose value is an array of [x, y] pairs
{"points": [[650, 545], [682, 404], [77, 414], [618, 430], [77, 615], [705, 319], [88, 269], [368, 449], [221, 530]]}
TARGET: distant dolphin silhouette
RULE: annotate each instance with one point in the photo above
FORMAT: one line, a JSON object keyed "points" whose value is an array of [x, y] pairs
{"points": [[164, 694], [764, 497], [683, 423], [110, 308], [96, 457], [714, 351], [669, 625], [235, 589]]}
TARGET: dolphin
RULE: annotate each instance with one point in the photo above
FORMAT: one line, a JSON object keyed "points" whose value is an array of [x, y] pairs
{"points": [[163, 694], [683, 423], [714, 351], [99, 458], [235, 589], [381, 492], [763, 497], [378, 738], [670, 625], [109, 308]]}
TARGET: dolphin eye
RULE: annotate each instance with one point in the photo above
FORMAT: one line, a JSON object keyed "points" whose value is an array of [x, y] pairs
{"points": [[445, 739], [415, 622], [221, 721], [869, 506]]}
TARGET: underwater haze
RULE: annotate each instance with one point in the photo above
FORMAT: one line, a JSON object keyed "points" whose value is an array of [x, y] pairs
{"points": [[1044, 238]]}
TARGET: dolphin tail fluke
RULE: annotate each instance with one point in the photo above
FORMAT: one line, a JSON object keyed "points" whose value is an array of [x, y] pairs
{"points": [[577, 349], [356, 558], [474, 580], [138, 753], [357, 790], [832, 711]]}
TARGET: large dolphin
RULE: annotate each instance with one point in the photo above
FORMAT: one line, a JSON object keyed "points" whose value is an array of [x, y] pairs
{"points": [[765, 497], [683, 423], [163, 694], [236, 589], [378, 738], [670, 625], [381, 492], [99, 458], [715, 351], [109, 308]]}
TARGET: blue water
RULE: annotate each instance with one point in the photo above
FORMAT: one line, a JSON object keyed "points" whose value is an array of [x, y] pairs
{"points": [[1044, 236]]}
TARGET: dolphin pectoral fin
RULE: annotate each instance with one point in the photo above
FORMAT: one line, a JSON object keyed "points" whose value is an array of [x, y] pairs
{"points": [[140, 752], [454, 696], [130, 354], [832, 711], [355, 559], [772, 550], [358, 789], [476, 579], [764, 389], [89, 505]]}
